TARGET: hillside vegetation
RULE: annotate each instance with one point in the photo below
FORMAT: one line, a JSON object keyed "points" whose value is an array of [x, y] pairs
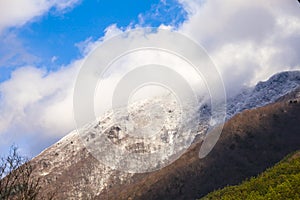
{"points": [[279, 182]]}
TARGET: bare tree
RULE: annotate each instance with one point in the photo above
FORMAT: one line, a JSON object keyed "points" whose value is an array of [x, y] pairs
{"points": [[16, 180]]}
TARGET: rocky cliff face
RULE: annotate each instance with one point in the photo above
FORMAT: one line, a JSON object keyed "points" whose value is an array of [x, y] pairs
{"points": [[69, 168]]}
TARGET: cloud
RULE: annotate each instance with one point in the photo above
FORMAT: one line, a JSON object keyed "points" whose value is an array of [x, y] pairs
{"points": [[37, 105], [13, 52], [248, 40], [165, 12], [17, 13], [33, 99], [53, 59], [86, 46]]}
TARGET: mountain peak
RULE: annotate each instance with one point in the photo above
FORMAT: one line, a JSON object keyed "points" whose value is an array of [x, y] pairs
{"points": [[264, 92], [286, 78]]}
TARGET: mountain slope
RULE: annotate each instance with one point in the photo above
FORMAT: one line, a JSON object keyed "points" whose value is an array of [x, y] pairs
{"points": [[279, 182], [68, 168], [250, 142]]}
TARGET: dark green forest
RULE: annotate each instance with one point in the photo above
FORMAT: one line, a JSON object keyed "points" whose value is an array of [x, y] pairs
{"points": [[279, 182]]}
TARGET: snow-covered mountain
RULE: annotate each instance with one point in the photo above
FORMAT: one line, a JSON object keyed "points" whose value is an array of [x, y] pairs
{"points": [[70, 169], [80, 168], [264, 92]]}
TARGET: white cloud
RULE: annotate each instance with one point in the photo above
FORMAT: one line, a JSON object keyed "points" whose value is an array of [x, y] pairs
{"points": [[33, 101], [38, 104], [17, 13], [248, 40]]}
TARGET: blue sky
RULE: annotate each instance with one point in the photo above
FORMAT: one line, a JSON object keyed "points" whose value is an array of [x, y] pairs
{"points": [[51, 39], [41, 45]]}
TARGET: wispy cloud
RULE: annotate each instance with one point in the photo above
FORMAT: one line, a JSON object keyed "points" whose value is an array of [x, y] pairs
{"points": [[17, 13], [165, 12], [13, 51]]}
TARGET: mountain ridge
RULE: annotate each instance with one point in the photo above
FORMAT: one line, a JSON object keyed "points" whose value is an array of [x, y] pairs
{"points": [[67, 166], [264, 92]]}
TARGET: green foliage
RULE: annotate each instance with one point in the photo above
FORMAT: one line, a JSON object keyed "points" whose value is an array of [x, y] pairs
{"points": [[279, 182]]}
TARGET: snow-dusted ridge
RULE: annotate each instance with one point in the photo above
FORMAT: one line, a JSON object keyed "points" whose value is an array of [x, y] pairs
{"points": [[57, 163], [264, 92]]}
